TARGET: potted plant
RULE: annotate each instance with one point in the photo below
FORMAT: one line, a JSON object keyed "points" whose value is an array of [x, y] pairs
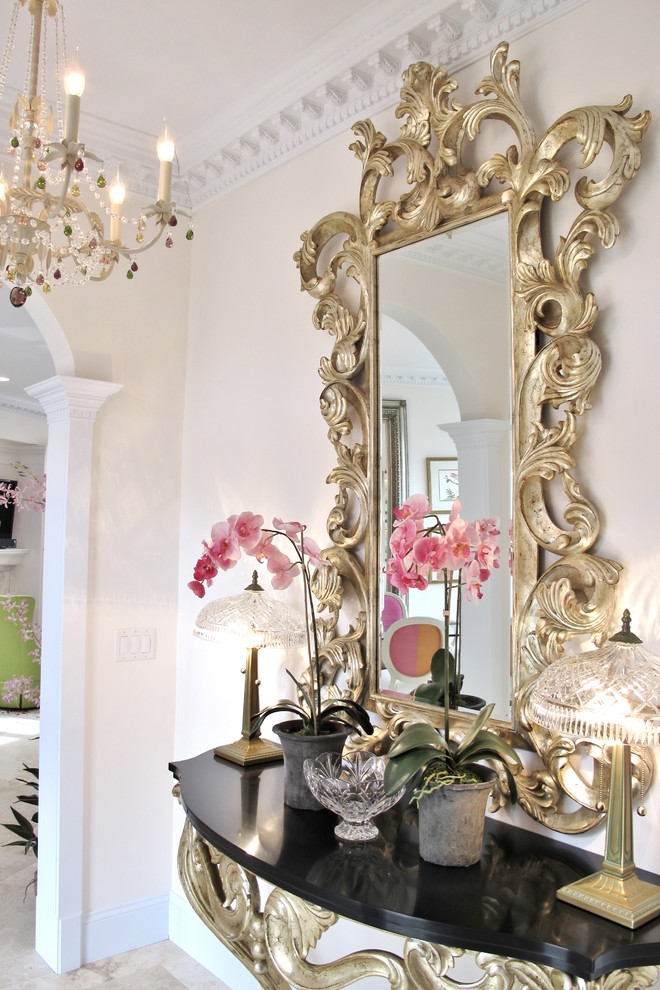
{"points": [[451, 788], [320, 724], [22, 826], [464, 554], [443, 664]]}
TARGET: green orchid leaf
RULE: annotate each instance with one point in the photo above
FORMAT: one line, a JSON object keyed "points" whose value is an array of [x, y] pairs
{"points": [[281, 706], [405, 768], [475, 728], [305, 695], [416, 735], [28, 798], [488, 741], [431, 692], [345, 707], [438, 665], [492, 747]]}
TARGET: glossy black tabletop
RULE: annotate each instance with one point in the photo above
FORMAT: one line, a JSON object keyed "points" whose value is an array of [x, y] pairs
{"points": [[505, 904]]}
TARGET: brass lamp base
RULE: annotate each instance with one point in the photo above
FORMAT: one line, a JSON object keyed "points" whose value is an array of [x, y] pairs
{"points": [[629, 901], [616, 892], [247, 752]]}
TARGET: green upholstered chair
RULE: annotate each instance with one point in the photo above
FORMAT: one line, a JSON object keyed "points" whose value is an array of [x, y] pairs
{"points": [[15, 659]]}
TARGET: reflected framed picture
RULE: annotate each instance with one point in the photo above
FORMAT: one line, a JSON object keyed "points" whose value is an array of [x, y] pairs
{"points": [[442, 483]]}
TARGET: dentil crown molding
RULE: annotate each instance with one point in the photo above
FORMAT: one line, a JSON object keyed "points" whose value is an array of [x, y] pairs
{"points": [[351, 76]]}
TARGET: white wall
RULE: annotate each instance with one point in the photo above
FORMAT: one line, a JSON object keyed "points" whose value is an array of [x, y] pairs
{"points": [[253, 437], [132, 333]]}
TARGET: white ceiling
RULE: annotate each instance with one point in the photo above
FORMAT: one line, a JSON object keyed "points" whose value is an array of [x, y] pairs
{"points": [[243, 86]]}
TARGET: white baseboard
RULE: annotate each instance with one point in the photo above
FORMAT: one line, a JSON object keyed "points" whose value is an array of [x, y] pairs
{"points": [[109, 933], [191, 934]]}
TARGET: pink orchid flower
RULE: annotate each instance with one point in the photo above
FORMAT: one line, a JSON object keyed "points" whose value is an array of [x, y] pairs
{"points": [[419, 550], [430, 553], [224, 549], [247, 527], [312, 552], [402, 578], [282, 569], [291, 529], [473, 578], [415, 507], [487, 529], [458, 544], [455, 510], [403, 537], [197, 588], [487, 556], [205, 569]]}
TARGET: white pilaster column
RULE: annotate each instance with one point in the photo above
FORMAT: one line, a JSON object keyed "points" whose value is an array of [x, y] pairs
{"points": [[71, 406], [483, 448]]}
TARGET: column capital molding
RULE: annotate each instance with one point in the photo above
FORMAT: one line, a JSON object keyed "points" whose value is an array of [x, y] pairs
{"points": [[477, 432], [65, 396]]}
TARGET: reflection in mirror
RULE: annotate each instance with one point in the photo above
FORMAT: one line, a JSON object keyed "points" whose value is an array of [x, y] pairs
{"points": [[393, 461], [445, 350]]}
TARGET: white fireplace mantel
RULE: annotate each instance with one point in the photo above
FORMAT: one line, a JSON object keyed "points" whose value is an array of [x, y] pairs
{"points": [[10, 558]]}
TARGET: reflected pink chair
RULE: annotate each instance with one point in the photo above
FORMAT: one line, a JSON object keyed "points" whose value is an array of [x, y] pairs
{"points": [[394, 608], [408, 648]]}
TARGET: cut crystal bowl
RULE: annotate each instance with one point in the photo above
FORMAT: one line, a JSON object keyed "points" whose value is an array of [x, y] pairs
{"points": [[352, 786]]}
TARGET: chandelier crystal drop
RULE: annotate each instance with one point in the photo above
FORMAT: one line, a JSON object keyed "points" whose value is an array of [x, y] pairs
{"points": [[49, 235]]}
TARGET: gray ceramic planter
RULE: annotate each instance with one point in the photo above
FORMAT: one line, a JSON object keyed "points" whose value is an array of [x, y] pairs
{"points": [[297, 749], [451, 821]]}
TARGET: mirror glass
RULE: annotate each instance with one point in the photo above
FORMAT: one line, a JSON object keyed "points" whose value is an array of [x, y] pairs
{"points": [[445, 353]]}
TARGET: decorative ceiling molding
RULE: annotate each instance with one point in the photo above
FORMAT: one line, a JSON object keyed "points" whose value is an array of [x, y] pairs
{"points": [[458, 33], [341, 80], [478, 258], [17, 408], [420, 378]]}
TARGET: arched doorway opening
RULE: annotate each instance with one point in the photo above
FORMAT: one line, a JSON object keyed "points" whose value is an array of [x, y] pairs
{"points": [[70, 405]]}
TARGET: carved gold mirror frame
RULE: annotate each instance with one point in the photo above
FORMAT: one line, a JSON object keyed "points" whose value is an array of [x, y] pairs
{"points": [[560, 588]]}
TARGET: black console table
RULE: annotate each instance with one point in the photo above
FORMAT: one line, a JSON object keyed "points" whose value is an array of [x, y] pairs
{"points": [[502, 911]]}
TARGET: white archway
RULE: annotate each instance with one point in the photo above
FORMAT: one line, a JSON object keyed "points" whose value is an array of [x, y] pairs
{"points": [[71, 405]]}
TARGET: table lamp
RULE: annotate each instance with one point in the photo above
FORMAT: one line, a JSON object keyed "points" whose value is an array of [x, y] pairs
{"points": [[611, 695], [257, 621]]}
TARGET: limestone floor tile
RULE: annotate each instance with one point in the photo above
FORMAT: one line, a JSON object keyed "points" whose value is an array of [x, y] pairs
{"points": [[159, 967], [162, 966], [130, 966], [193, 976]]}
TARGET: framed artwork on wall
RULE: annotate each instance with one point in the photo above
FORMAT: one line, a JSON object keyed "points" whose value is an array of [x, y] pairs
{"points": [[442, 483]]}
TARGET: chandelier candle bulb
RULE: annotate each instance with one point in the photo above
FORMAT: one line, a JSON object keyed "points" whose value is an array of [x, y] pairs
{"points": [[117, 194], [165, 149], [74, 86]]}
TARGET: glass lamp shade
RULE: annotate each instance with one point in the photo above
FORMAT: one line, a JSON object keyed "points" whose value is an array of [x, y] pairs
{"points": [[252, 617], [611, 695]]}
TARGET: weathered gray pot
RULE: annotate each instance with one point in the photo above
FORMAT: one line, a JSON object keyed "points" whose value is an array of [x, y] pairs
{"points": [[297, 749], [451, 821]]}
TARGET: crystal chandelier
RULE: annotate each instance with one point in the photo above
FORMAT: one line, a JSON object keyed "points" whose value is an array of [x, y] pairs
{"points": [[48, 234]]}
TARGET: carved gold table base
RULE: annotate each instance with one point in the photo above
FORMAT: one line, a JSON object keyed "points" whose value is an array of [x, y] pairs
{"points": [[274, 943]]}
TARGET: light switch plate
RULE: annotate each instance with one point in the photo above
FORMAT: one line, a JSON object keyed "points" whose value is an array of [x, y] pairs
{"points": [[135, 644]]}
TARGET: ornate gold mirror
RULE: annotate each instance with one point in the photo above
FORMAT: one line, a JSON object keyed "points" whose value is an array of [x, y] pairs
{"points": [[458, 168]]}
